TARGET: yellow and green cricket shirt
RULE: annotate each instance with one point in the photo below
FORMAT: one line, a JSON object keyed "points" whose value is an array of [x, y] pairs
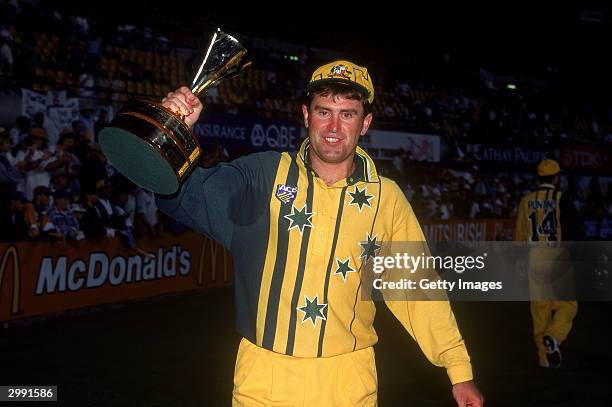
{"points": [[547, 215], [298, 246]]}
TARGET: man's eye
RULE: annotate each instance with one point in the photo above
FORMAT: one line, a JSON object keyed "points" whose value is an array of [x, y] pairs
{"points": [[347, 115], [323, 113]]}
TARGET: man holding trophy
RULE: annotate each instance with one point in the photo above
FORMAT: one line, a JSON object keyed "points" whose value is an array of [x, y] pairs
{"points": [[300, 226]]}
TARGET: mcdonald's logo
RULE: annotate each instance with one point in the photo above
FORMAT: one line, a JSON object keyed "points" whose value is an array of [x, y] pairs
{"points": [[11, 251], [214, 249]]}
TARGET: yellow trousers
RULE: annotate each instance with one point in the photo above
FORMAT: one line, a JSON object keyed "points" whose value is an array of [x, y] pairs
{"points": [[551, 277], [551, 318], [265, 378]]}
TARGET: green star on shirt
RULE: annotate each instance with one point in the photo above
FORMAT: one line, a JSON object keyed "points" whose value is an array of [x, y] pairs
{"points": [[299, 218], [312, 310], [360, 198], [369, 248], [344, 268]]}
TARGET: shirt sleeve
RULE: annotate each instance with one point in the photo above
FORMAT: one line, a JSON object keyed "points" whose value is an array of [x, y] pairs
{"points": [[210, 200], [432, 324]]}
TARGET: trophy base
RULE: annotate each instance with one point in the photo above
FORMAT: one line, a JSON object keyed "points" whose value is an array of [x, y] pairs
{"points": [[138, 161], [151, 146]]}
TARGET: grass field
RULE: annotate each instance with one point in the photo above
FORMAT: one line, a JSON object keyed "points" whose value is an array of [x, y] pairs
{"points": [[180, 351]]}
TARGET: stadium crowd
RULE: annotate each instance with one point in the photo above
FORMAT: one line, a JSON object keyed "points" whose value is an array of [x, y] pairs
{"points": [[55, 183]]}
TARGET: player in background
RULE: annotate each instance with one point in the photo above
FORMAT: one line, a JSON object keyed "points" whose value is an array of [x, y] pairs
{"points": [[547, 215]]}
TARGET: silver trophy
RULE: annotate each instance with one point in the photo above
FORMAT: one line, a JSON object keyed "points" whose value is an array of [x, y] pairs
{"points": [[151, 145]]}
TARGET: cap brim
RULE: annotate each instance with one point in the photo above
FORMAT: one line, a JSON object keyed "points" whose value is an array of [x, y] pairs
{"points": [[313, 86], [550, 175]]}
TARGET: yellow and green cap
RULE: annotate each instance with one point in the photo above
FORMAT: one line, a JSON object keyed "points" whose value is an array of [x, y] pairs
{"points": [[548, 167], [344, 72]]}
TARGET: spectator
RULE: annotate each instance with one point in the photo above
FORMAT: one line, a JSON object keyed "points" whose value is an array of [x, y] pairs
{"points": [[33, 162], [88, 122], [20, 132], [37, 213], [146, 213], [124, 212], [91, 222], [107, 213], [65, 160], [79, 211], [50, 129], [64, 181], [9, 175], [64, 221], [124, 197]]}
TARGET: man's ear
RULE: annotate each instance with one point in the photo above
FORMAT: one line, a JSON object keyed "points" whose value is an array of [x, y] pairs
{"points": [[305, 114], [366, 124]]}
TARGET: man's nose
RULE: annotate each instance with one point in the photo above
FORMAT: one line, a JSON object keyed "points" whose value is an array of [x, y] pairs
{"points": [[334, 123]]}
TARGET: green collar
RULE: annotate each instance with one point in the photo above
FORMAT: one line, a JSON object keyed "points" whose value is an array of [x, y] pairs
{"points": [[365, 170]]}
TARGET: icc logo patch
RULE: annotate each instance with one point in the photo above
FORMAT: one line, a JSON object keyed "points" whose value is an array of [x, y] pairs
{"points": [[286, 193]]}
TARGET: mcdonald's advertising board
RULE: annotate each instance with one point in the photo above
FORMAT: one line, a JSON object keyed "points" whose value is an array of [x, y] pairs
{"points": [[38, 278]]}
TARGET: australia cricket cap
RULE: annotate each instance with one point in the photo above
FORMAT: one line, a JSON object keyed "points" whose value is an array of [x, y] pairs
{"points": [[548, 167], [344, 72]]}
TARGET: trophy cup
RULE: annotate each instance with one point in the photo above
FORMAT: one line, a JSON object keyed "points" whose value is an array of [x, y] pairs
{"points": [[151, 145]]}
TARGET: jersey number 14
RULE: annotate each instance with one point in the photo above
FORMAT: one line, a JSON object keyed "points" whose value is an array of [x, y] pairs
{"points": [[548, 226]]}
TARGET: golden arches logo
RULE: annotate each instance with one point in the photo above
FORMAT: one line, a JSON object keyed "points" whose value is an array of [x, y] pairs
{"points": [[215, 249], [16, 294]]}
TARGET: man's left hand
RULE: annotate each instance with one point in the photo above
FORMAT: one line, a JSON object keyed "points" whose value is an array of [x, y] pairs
{"points": [[466, 394]]}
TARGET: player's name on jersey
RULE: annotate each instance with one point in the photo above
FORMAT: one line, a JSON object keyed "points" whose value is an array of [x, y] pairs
{"points": [[429, 284], [542, 204]]}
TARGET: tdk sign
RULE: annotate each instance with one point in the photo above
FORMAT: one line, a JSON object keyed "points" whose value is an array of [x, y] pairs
{"points": [[273, 136]]}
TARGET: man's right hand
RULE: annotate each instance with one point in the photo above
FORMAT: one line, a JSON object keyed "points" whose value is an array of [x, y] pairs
{"points": [[184, 102]]}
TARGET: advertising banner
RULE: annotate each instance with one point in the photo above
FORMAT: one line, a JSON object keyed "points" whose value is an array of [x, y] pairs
{"points": [[39, 278], [244, 135], [509, 155], [469, 230], [586, 159], [381, 144]]}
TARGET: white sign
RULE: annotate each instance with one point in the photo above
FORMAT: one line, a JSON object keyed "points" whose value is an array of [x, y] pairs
{"points": [[32, 103], [383, 144], [56, 107], [62, 117]]}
